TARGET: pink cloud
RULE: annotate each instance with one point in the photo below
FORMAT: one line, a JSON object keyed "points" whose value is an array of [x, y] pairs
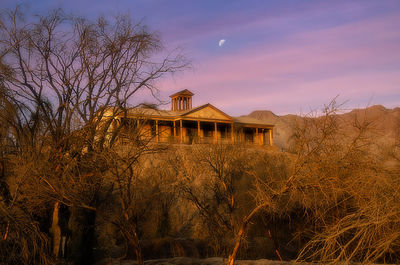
{"points": [[357, 60]]}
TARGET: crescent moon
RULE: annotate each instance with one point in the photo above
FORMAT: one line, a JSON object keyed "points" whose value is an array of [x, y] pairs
{"points": [[221, 42]]}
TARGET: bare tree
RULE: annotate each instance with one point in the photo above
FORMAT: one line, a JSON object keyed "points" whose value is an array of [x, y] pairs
{"points": [[133, 190], [368, 182], [67, 79], [215, 180], [326, 161]]}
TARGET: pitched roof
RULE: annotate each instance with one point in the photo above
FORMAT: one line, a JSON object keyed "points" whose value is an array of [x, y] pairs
{"points": [[184, 92], [205, 106], [249, 120], [170, 114], [152, 112]]}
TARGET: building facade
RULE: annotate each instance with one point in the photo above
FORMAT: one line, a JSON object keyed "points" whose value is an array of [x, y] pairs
{"points": [[204, 124]]}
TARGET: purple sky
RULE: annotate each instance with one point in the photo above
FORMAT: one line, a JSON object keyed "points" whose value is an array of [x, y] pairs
{"points": [[287, 56]]}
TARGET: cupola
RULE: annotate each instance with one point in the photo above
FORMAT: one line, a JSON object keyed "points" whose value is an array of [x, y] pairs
{"points": [[181, 100]]}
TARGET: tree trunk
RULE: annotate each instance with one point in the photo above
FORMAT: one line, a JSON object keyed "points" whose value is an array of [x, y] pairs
{"points": [[241, 233], [133, 239], [138, 251], [55, 230], [139, 256], [232, 257]]}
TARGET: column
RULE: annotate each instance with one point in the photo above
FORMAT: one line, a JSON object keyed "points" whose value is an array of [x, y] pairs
{"points": [[174, 131], [181, 130], [256, 139], [198, 131], [215, 132], [232, 134], [271, 138], [262, 136], [157, 134]]}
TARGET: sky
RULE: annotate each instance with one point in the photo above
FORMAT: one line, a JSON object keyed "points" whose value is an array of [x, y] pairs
{"points": [[287, 56]]}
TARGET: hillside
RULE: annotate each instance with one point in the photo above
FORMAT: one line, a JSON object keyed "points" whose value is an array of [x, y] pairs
{"points": [[384, 122]]}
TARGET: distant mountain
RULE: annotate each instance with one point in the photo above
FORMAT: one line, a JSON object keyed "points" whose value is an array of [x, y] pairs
{"points": [[385, 123]]}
